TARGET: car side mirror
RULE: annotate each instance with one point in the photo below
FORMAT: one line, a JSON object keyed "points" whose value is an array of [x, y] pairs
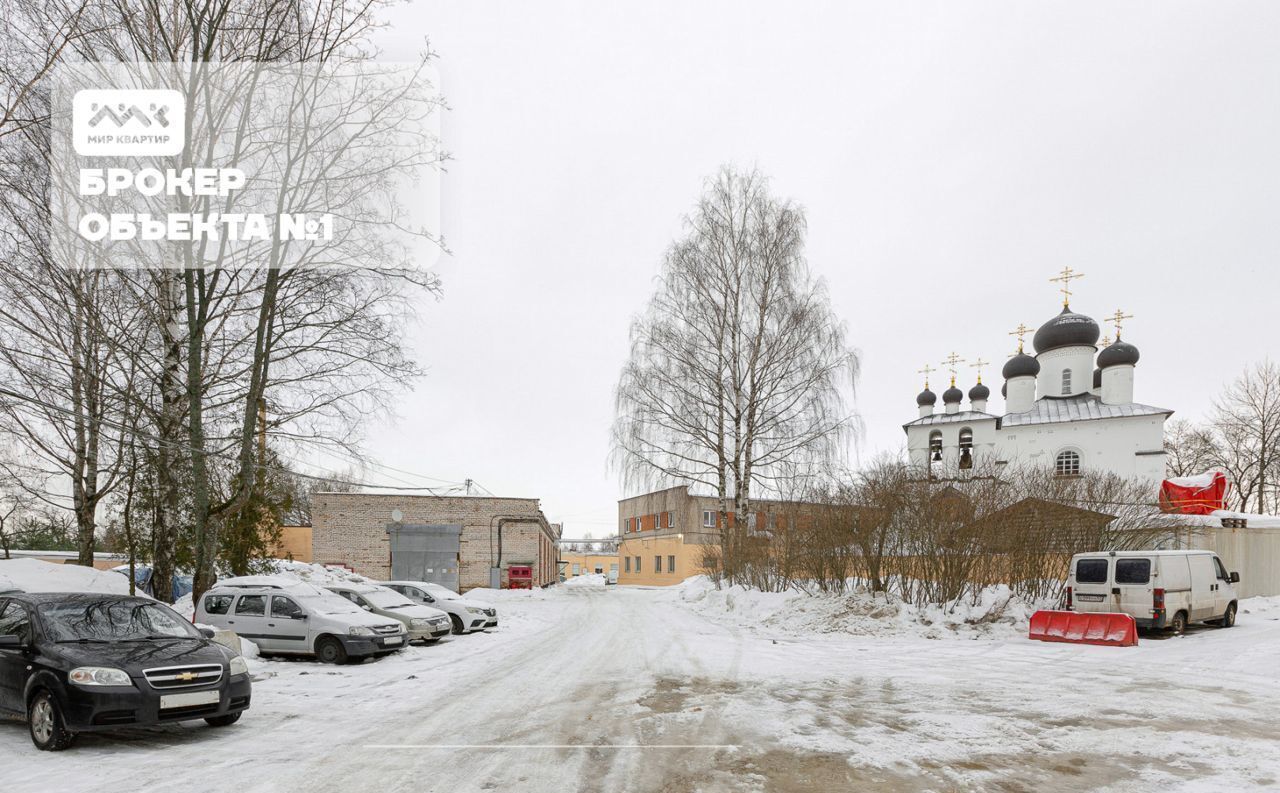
{"points": [[12, 642], [207, 632], [1235, 577], [366, 608]]}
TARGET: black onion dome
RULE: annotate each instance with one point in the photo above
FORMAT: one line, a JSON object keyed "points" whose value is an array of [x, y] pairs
{"points": [[1068, 329], [1021, 365], [1097, 378], [979, 392], [952, 394], [926, 397], [1118, 353]]}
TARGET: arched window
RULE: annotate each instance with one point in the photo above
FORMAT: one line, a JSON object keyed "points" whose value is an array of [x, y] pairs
{"points": [[1066, 382], [1067, 463], [935, 447], [966, 448]]}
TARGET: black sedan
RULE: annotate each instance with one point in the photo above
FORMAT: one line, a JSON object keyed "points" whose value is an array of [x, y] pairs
{"points": [[79, 662]]}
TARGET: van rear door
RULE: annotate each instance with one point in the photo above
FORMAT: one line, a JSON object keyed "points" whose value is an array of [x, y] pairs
{"points": [[1133, 579], [1091, 575]]}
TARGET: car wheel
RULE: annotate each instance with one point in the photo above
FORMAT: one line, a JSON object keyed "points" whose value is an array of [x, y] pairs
{"points": [[1179, 623], [223, 721], [457, 623], [330, 651], [48, 729], [1229, 618]]}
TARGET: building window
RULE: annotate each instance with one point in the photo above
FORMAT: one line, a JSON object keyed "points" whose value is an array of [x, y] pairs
{"points": [[1067, 464], [671, 520], [671, 564], [657, 564], [935, 447], [627, 563], [637, 564], [1066, 382], [575, 568], [966, 448], [708, 519]]}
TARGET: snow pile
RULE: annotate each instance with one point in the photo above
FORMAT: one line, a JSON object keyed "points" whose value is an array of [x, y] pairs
{"points": [[315, 573], [34, 575], [1260, 607], [487, 595], [997, 613], [592, 579]]}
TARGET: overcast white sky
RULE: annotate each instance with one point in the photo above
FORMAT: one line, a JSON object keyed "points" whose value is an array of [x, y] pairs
{"points": [[951, 157]]}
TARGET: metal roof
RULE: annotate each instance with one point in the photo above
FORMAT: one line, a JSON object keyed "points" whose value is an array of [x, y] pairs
{"points": [[951, 418], [1083, 407]]}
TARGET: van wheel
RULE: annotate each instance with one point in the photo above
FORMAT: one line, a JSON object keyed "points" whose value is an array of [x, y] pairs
{"points": [[48, 729], [1179, 623], [457, 623], [330, 651], [1229, 618], [223, 721]]}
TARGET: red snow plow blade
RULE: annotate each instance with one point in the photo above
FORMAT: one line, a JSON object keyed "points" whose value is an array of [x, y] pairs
{"points": [[1116, 630]]}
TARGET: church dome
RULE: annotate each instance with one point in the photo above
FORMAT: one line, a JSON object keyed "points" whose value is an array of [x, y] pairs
{"points": [[1118, 353], [952, 394], [1068, 329], [927, 397], [1021, 365], [979, 392]]}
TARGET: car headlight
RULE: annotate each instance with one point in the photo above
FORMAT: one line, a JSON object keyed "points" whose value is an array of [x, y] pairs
{"points": [[239, 666], [359, 630], [422, 622], [475, 610], [99, 676]]}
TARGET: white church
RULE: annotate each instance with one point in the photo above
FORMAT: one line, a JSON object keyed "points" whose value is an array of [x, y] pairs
{"points": [[1069, 407]]}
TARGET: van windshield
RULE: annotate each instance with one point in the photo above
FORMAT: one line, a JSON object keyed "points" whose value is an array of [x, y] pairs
{"points": [[1091, 571], [1133, 571]]}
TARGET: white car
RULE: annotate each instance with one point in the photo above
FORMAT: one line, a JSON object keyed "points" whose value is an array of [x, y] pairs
{"points": [[423, 623], [1159, 589], [466, 615], [289, 617]]}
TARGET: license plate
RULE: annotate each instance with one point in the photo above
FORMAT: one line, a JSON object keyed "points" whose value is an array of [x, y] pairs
{"points": [[189, 699], [393, 640], [1091, 598]]}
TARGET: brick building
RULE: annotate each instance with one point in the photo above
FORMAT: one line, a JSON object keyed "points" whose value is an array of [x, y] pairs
{"points": [[461, 542]]}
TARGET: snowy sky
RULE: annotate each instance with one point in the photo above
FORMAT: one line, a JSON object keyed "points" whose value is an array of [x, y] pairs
{"points": [[951, 157]]}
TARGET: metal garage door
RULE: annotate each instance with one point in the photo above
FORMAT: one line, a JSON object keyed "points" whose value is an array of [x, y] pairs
{"points": [[425, 553]]}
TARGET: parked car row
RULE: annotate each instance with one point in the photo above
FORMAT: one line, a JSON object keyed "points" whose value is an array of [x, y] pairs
{"points": [[340, 621]]}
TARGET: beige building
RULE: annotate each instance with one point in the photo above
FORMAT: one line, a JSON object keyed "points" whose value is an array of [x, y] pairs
{"points": [[461, 542], [577, 564], [665, 534]]}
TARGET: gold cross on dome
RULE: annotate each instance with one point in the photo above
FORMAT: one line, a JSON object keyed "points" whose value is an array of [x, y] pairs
{"points": [[951, 362], [1068, 275], [926, 372], [1106, 341], [978, 364], [1020, 331], [1118, 319]]}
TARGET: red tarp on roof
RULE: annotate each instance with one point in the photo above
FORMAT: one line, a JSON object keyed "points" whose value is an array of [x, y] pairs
{"points": [[1195, 495]]}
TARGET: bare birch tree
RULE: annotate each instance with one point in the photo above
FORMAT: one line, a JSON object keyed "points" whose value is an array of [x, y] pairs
{"points": [[739, 373]]}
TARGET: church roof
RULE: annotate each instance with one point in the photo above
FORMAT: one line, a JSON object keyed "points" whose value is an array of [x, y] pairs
{"points": [[1084, 407], [951, 418]]}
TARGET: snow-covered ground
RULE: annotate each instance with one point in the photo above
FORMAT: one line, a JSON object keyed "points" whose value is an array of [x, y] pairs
{"points": [[590, 688]]}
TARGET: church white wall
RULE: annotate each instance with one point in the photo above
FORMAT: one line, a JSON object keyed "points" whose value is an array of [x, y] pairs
{"points": [[984, 442], [1052, 364], [1130, 447], [1021, 394], [1117, 384]]}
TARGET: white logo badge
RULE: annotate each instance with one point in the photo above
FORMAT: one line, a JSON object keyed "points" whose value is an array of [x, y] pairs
{"points": [[131, 122]]}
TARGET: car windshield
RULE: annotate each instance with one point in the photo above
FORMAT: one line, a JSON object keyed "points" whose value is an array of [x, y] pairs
{"points": [[324, 601], [386, 599], [113, 620], [442, 592]]}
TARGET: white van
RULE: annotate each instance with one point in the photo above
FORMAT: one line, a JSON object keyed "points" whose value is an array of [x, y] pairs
{"points": [[290, 617], [1159, 589]]}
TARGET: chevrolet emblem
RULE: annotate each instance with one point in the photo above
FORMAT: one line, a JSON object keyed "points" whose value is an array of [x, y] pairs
{"points": [[186, 677]]}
